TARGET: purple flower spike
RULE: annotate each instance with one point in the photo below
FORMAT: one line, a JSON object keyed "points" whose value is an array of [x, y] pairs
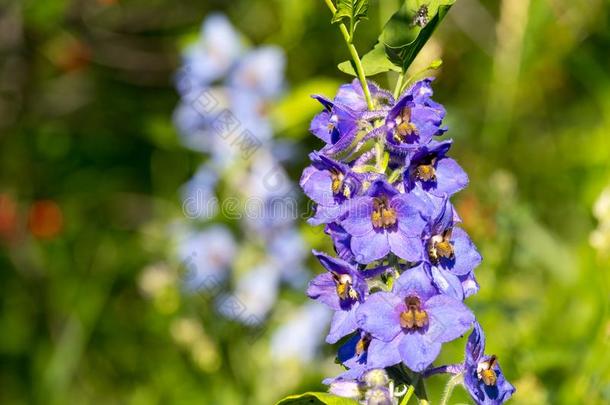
{"points": [[415, 119], [384, 221], [483, 376], [414, 319], [434, 172]]}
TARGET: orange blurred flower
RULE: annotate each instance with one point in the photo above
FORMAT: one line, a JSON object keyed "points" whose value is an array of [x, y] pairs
{"points": [[8, 216], [45, 219]]}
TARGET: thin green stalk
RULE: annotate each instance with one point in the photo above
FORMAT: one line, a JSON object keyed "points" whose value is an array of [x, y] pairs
{"points": [[355, 57], [408, 395], [451, 384], [421, 393], [398, 88]]}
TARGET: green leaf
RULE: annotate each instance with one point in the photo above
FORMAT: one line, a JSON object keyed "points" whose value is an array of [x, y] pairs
{"points": [[402, 37], [316, 398], [410, 27], [374, 62], [351, 10]]}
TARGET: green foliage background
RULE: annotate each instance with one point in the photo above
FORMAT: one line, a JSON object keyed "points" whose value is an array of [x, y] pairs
{"points": [[85, 121]]}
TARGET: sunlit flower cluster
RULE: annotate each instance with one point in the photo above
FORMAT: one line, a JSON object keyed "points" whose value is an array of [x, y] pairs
{"points": [[382, 185]]}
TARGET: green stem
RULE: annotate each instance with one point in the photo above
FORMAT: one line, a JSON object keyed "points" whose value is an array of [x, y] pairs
{"points": [[422, 395], [408, 395], [451, 384], [398, 88], [355, 57]]}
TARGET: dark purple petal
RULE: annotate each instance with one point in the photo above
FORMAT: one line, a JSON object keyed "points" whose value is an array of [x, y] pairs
{"points": [[427, 121], [341, 241], [449, 318], [381, 188], [475, 347], [347, 350], [334, 264], [418, 353], [379, 316]]}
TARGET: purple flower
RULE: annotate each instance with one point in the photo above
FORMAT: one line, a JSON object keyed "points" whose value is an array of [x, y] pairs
{"points": [[328, 183], [342, 288], [384, 221], [351, 94], [347, 115], [483, 376], [415, 119], [413, 321], [336, 125], [431, 169], [451, 254], [353, 355]]}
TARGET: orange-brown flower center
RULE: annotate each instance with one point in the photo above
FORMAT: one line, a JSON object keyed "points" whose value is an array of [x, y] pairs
{"points": [[440, 246], [404, 127], [343, 286], [383, 216], [413, 317], [486, 373]]}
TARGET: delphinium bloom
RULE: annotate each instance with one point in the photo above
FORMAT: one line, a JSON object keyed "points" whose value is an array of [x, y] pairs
{"points": [[483, 376], [342, 289], [404, 266]]}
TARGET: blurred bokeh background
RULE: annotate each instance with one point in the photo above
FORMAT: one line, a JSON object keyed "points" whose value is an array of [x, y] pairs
{"points": [[93, 170]]}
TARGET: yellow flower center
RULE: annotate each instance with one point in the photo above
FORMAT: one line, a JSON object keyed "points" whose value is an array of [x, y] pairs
{"points": [[337, 181], [383, 216], [363, 344], [486, 373], [440, 246], [344, 287], [413, 317], [404, 127], [425, 172]]}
